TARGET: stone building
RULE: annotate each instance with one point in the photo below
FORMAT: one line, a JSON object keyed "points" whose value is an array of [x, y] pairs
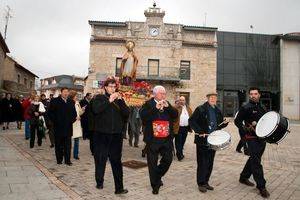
{"points": [[16, 78], [182, 58], [3, 51], [53, 85]]}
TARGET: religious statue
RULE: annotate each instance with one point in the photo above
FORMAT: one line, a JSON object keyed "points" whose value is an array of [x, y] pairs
{"points": [[129, 65]]}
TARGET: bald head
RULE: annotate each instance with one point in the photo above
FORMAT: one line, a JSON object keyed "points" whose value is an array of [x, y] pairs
{"points": [[159, 93]]}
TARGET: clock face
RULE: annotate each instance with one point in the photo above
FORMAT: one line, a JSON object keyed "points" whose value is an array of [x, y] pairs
{"points": [[154, 31]]}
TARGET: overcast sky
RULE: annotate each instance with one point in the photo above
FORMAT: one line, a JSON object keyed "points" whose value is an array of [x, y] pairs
{"points": [[51, 37]]}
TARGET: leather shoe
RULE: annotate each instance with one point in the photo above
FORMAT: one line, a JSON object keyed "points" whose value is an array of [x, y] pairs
{"points": [[69, 163], [123, 191], [264, 193], [246, 182], [202, 188], [208, 187], [100, 187]]}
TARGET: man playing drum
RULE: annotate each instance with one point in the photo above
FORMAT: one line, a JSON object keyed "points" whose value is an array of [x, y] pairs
{"points": [[206, 119], [250, 114]]}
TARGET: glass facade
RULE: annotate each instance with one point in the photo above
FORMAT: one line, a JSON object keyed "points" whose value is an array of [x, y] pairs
{"points": [[245, 60]]}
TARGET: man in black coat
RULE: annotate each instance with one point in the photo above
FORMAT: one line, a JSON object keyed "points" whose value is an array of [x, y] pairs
{"points": [[84, 119], [110, 113], [246, 121], [205, 119], [158, 117], [62, 114]]}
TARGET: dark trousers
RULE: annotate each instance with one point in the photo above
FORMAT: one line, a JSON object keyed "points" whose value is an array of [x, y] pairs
{"points": [[156, 172], [134, 134], [180, 139], [51, 132], [63, 146], [91, 144], [205, 162], [34, 130], [108, 146], [253, 166], [242, 144]]}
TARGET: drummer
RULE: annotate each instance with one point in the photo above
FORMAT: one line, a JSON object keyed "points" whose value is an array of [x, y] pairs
{"points": [[246, 121], [205, 119]]}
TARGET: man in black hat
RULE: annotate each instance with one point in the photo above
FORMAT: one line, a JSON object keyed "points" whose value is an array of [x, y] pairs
{"points": [[205, 119]]}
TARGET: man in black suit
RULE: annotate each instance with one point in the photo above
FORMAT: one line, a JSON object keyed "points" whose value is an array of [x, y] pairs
{"points": [[62, 113], [158, 116]]}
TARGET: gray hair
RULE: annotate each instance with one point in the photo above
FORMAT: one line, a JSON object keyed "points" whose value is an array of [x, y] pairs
{"points": [[158, 88]]}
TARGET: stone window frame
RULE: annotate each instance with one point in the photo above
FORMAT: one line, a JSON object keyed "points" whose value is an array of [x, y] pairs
{"points": [[118, 68], [187, 68], [19, 78], [153, 60], [25, 81]]}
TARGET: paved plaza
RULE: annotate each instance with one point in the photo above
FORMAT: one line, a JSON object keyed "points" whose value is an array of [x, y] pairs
{"points": [[33, 173]]}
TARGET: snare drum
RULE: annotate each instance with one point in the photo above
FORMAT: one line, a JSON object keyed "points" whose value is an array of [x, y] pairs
{"points": [[219, 140], [272, 127]]}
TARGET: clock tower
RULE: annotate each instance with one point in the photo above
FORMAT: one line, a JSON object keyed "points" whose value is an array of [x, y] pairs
{"points": [[154, 20]]}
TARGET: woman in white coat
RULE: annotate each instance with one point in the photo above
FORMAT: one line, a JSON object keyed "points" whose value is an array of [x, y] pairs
{"points": [[77, 130]]}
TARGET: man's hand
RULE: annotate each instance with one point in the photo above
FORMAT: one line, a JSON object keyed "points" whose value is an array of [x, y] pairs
{"points": [[113, 96], [36, 114], [159, 105], [165, 103]]}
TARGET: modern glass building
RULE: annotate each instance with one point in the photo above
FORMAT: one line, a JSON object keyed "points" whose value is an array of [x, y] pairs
{"points": [[246, 60]]}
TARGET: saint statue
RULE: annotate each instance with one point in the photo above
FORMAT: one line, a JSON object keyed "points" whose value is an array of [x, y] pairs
{"points": [[129, 65]]}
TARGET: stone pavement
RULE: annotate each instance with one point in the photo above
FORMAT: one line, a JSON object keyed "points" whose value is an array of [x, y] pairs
{"points": [[281, 167]]}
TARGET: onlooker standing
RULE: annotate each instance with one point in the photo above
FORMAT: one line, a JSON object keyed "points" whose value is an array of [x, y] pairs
{"points": [[84, 119], [48, 122], [26, 104], [37, 124], [181, 126], [18, 111], [134, 124], [63, 114], [8, 110], [77, 130]]}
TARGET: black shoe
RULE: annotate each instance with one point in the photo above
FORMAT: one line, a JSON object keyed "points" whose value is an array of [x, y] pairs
{"points": [[27, 138], [155, 190], [264, 193], [3, 128], [123, 191], [59, 163], [180, 158], [69, 163], [202, 188], [51, 146], [100, 187], [136, 146], [77, 158], [239, 151], [246, 182], [208, 187]]}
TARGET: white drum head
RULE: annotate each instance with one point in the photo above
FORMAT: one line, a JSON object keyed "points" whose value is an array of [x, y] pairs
{"points": [[218, 137], [267, 124]]}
